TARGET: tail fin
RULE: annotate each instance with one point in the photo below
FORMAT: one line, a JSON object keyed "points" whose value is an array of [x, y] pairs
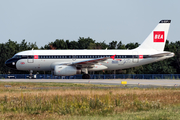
{"points": [[157, 39]]}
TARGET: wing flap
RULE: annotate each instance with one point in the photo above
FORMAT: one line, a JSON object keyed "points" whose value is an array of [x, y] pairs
{"points": [[91, 61]]}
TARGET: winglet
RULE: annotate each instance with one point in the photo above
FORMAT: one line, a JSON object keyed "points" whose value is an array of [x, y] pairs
{"points": [[113, 56]]}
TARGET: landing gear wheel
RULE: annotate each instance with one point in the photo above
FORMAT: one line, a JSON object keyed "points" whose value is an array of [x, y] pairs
{"points": [[86, 76], [30, 74]]}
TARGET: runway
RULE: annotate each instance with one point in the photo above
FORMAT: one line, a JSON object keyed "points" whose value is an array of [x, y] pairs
{"points": [[152, 82]]}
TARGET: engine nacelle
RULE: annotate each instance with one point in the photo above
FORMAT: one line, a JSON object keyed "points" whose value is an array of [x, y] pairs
{"points": [[64, 70]]}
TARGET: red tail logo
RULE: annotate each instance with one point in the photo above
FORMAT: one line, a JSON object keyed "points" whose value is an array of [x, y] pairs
{"points": [[158, 36]]}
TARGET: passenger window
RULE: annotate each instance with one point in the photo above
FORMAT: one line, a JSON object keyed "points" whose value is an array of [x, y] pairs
{"points": [[29, 57]]}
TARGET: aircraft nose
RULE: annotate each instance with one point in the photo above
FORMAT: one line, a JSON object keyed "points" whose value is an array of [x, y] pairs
{"points": [[11, 63]]}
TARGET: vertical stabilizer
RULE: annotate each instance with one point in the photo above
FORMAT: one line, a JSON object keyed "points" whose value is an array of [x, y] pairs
{"points": [[157, 38]]}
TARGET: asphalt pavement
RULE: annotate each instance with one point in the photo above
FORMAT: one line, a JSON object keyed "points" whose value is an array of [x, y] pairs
{"points": [[152, 82]]}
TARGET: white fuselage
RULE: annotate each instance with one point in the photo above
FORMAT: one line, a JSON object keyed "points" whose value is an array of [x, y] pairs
{"points": [[45, 60]]}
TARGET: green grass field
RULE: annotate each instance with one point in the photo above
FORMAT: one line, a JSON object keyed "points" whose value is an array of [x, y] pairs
{"points": [[85, 101]]}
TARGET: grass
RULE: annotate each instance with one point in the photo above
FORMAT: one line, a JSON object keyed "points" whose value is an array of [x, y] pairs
{"points": [[169, 113], [86, 101]]}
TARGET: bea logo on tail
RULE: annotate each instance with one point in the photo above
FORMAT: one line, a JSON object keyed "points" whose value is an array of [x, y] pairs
{"points": [[158, 36]]}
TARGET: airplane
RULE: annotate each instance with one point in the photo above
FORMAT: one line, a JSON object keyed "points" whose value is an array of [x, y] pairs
{"points": [[72, 62]]}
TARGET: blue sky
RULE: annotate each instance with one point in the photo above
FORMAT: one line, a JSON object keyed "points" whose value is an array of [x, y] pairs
{"points": [[43, 21]]}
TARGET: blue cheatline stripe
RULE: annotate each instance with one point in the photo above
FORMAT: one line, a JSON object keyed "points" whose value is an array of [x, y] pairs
{"points": [[95, 76]]}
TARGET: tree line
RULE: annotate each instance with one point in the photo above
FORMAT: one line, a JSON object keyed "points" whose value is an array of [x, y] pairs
{"points": [[168, 66]]}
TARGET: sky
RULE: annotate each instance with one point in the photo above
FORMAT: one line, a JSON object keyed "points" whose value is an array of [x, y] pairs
{"points": [[44, 21]]}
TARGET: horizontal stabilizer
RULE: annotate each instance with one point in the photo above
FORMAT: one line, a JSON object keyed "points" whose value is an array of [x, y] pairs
{"points": [[162, 54]]}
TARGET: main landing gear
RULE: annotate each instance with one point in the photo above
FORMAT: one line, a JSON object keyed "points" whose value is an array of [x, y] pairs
{"points": [[30, 74], [86, 76]]}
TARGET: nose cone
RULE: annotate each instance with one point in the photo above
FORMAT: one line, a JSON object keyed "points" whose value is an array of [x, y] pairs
{"points": [[11, 63]]}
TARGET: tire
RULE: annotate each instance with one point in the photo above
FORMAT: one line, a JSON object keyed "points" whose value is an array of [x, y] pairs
{"points": [[86, 76]]}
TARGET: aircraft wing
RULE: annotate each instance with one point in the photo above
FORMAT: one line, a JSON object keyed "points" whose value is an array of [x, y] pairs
{"points": [[92, 61]]}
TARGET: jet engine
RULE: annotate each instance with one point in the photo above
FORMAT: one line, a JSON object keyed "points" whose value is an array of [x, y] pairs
{"points": [[64, 70]]}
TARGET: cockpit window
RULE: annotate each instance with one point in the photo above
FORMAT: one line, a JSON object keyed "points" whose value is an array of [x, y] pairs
{"points": [[24, 56], [17, 56], [30, 56]]}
